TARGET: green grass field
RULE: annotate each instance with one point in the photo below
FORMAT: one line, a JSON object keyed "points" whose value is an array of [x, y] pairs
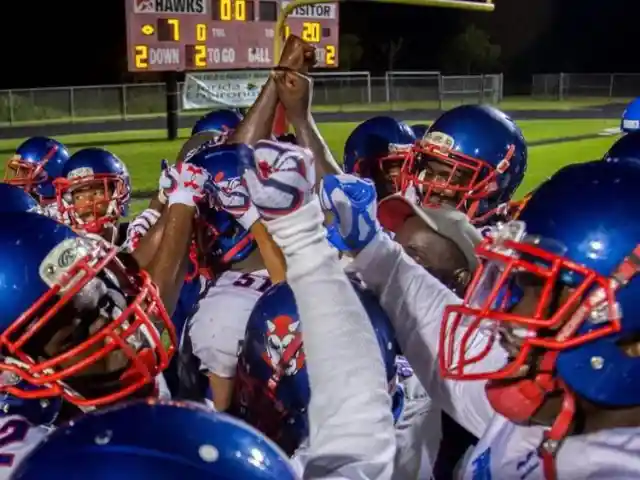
{"points": [[142, 150]]}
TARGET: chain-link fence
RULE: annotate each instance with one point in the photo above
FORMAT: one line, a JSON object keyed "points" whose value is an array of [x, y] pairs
{"points": [[561, 86], [332, 92]]}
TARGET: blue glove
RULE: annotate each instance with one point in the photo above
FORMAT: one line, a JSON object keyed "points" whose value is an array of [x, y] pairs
{"points": [[353, 203]]}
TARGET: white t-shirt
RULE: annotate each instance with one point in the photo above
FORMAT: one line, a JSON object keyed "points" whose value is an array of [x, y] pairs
{"points": [[17, 438], [221, 320]]}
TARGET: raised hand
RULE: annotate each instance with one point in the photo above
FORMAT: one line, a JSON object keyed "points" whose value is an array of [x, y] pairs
{"points": [[279, 178], [187, 184], [297, 55], [294, 91], [352, 201], [232, 195]]}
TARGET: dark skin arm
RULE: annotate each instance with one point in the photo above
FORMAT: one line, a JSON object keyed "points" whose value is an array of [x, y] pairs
{"points": [[259, 119], [295, 92], [257, 124], [156, 204], [150, 243], [169, 264]]}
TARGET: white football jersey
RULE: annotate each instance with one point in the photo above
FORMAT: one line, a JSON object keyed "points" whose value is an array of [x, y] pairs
{"points": [[17, 438], [219, 325], [507, 450]]}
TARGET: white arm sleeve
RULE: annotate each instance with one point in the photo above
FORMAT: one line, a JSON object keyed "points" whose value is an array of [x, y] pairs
{"points": [[351, 426], [415, 302]]}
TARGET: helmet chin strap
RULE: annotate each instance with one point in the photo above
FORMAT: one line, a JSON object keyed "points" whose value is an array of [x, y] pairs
{"points": [[520, 400]]}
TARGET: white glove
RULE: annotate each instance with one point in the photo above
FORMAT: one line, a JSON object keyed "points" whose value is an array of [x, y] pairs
{"points": [[280, 179], [189, 184]]}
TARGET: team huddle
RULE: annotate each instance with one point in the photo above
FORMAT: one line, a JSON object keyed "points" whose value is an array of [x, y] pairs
{"points": [[276, 314]]}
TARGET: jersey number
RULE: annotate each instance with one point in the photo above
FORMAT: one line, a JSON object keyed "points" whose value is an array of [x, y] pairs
{"points": [[11, 432], [247, 280]]}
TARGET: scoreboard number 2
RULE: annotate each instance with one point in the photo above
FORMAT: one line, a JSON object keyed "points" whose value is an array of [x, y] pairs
{"points": [[142, 56], [200, 56], [330, 59]]}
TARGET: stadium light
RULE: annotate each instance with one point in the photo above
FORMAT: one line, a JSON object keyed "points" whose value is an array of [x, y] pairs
{"points": [[478, 5]]}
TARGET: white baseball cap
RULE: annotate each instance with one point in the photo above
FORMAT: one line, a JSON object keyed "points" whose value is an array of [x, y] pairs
{"points": [[453, 224]]}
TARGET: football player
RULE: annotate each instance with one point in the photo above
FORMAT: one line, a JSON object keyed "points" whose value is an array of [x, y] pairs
{"points": [[15, 199], [630, 121], [36, 163], [377, 149], [272, 391], [77, 325], [540, 360], [472, 158], [93, 193], [168, 440], [227, 255], [351, 431], [82, 323]]}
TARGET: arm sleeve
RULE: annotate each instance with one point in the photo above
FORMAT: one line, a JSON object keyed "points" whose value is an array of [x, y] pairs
{"points": [[415, 302], [351, 426]]}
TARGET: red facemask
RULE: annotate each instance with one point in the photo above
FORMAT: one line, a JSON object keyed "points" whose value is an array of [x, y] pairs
{"points": [[106, 196], [140, 336]]}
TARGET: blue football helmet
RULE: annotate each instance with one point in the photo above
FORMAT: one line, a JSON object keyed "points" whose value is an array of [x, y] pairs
{"points": [[560, 287], [37, 162], [75, 322], [472, 157], [93, 190], [155, 439], [15, 199], [377, 149], [219, 233], [219, 122], [271, 391], [630, 121], [419, 130], [626, 149]]}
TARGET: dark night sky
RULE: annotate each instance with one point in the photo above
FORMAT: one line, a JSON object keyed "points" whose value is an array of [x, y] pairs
{"points": [[535, 36]]}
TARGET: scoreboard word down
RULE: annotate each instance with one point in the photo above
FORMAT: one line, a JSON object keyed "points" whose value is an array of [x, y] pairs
{"points": [[176, 35]]}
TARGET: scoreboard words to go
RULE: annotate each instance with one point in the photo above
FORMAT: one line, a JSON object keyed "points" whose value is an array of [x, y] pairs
{"points": [[177, 35]]}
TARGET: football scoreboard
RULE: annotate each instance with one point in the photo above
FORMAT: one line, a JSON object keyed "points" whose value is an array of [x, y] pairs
{"points": [[179, 35]]}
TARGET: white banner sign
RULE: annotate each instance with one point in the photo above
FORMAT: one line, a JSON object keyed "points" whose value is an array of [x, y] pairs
{"points": [[240, 89]]}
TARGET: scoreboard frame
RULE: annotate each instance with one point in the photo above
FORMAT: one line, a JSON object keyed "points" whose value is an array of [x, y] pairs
{"points": [[224, 34]]}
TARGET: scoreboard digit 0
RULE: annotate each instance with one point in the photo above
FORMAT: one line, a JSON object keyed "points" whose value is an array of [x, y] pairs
{"points": [[177, 35]]}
